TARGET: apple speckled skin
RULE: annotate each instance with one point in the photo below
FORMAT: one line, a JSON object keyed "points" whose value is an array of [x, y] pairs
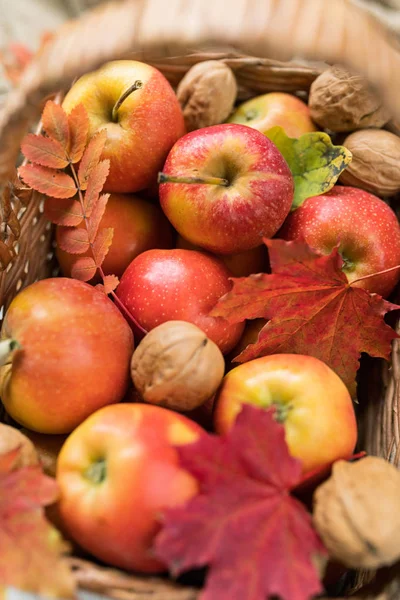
{"points": [[166, 285], [149, 121], [231, 219], [363, 226], [74, 358]]}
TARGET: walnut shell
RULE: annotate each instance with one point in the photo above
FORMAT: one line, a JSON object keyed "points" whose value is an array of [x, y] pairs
{"points": [[375, 163], [177, 366], [207, 94], [10, 439], [356, 513], [342, 101]]}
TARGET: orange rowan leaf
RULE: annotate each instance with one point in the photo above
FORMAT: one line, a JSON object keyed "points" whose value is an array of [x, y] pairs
{"points": [[44, 151], [84, 268], [48, 181], [55, 123], [78, 131], [73, 240], [312, 310], [63, 211], [31, 549], [96, 215], [91, 157], [110, 283], [101, 244], [95, 184]]}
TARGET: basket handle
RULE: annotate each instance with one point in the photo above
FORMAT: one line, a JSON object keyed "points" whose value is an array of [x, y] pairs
{"points": [[334, 31]]}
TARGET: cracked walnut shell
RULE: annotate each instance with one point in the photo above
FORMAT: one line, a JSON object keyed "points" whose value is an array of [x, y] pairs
{"points": [[356, 513], [177, 366], [342, 101], [207, 94], [375, 161]]}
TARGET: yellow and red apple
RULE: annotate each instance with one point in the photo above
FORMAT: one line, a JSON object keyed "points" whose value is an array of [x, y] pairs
{"points": [[226, 187], [72, 357], [117, 472], [364, 228], [138, 226], [141, 126], [272, 109], [310, 400]]}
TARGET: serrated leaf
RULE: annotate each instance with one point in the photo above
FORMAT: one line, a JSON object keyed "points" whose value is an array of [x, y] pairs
{"points": [[96, 216], [55, 123], [314, 161], [110, 283], [101, 244], [78, 129], [73, 240], [91, 157], [312, 308], [48, 181], [95, 184], [67, 211], [44, 151], [31, 549], [256, 538], [84, 268]]}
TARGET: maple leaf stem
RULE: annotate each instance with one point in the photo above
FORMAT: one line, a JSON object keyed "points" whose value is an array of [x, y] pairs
{"points": [[135, 86], [374, 274], [7, 348], [165, 178], [121, 306]]}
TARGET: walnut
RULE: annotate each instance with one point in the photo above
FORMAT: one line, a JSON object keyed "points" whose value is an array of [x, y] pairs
{"points": [[177, 366], [356, 513], [375, 163], [207, 94], [10, 439], [342, 101]]}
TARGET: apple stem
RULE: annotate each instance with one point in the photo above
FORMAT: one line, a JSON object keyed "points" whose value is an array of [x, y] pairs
{"points": [[7, 348], [97, 472], [135, 86], [164, 178], [375, 274], [281, 411]]}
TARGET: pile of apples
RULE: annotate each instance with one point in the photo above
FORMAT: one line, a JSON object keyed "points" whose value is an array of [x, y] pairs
{"points": [[222, 190]]}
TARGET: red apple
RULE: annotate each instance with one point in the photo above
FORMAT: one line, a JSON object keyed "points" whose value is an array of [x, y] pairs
{"points": [[275, 108], [241, 264], [364, 227], [141, 129], [227, 187], [310, 400], [117, 472], [73, 355], [138, 226], [179, 285]]}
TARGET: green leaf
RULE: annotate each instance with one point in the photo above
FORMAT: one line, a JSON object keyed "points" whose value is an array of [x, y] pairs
{"points": [[314, 161]]}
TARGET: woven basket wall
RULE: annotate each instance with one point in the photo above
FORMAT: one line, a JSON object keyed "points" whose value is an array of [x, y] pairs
{"points": [[253, 38]]}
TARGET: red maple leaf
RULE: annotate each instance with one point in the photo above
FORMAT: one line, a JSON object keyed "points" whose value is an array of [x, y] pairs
{"points": [[312, 309], [256, 538], [31, 549]]}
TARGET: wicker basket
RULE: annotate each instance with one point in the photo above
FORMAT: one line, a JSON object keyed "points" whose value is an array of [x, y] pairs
{"points": [[166, 35]]}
